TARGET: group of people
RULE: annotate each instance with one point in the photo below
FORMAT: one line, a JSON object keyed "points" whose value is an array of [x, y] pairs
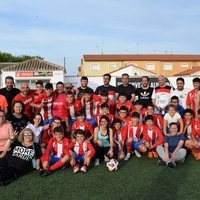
{"points": [[47, 129]]}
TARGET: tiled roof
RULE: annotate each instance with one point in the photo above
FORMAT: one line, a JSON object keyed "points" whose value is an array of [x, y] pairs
{"points": [[133, 66], [142, 57], [34, 64], [6, 64], [188, 71]]}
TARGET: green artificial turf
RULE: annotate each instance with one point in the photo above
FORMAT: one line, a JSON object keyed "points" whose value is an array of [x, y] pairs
{"points": [[138, 178]]}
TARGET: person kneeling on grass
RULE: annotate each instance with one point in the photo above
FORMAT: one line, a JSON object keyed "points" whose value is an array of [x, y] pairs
{"points": [[81, 151], [152, 136], [56, 154], [172, 151]]}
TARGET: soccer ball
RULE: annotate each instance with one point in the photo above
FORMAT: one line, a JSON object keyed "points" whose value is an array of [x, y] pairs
{"points": [[112, 165]]}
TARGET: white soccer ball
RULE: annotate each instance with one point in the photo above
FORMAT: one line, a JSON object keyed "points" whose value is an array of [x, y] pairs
{"points": [[112, 165]]}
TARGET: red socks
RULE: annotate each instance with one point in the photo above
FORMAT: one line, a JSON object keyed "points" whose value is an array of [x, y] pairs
{"points": [[57, 165]]}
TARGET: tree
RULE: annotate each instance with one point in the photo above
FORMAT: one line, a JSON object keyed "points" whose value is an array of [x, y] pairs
{"points": [[7, 57]]}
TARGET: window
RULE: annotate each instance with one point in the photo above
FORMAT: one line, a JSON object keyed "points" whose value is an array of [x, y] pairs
{"points": [[150, 66], [94, 67], [184, 64], [112, 65], [167, 66]]}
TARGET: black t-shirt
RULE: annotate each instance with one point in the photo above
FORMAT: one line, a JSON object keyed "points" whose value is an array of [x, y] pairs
{"points": [[18, 123], [20, 157], [9, 95], [144, 95], [127, 90], [103, 87], [80, 91]]}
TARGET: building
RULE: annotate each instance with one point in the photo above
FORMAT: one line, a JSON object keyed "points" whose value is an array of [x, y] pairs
{"points": [[166, 64], [32, 70]]}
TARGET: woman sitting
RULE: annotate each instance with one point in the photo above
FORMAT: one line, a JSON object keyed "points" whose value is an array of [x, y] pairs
{"points": [[23, 156]]}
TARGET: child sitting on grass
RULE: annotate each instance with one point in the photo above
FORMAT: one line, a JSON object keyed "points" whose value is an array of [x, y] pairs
{"points": [[56, 154], [81, 152], [172, 151], [152, 136]]}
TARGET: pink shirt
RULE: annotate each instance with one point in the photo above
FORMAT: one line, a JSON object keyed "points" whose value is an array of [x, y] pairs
{"points": [[5, 131], [59, 109]]}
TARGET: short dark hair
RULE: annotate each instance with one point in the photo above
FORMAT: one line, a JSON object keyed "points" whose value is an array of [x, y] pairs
{"points": [[188, 110], [180, 79], [79, 132], [138, 102], [145, 77], [69, 93], [80, 113], [104, 105], [116, 120], [84, 78], [122, 94], [48, 86], [125, 74], [87, 91], [123, 108], [107, 75], [9, 77], [173, 123], [135, 115], [150, 104], [59, 83], [103, 93], [58, 129], [149, 117], [174, 98], [39, 82], [196, 80]]}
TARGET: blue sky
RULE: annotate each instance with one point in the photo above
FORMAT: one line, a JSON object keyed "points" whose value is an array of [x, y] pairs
{"points": [[58, 29]]}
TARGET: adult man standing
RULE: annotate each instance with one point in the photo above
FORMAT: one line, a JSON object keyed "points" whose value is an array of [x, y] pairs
{"points": [[26, 96], [106, 86], [9, 92], [181, 92], [83, 87], [144, 93], [126, 88], [161, 95]]}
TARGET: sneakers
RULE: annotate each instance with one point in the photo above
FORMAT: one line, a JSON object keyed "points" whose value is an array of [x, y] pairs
{"points": [[84, 168], [128, 155], [106, 159], [161, 163], [96, 163], [137, 154], [150, 154], [76, 168], [44, 173], [171, 164]]}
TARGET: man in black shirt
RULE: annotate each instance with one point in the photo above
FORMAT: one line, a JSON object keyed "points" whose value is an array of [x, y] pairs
{"points": [[9, 91], [126, 88], [144, 93], [83, 87]]}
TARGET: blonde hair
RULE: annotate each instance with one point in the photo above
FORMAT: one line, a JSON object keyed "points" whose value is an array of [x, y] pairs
{"points": [[21, 134]]}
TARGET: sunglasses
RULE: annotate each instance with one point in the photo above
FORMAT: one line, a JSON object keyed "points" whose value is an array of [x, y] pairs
{"points": [[27, 134]]}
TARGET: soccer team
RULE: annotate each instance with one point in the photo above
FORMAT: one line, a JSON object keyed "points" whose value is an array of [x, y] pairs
{"points": [[48, 129]]}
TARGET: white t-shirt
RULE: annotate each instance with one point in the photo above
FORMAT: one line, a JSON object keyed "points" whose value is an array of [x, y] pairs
{"points": [[171, 119], [37, 131], [181, 94]]}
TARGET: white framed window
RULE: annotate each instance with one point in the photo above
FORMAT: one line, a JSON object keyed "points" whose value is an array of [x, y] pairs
{"points": [[167, 66], [112, 65], [184, 65], [94, 67], [150, 66]]}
